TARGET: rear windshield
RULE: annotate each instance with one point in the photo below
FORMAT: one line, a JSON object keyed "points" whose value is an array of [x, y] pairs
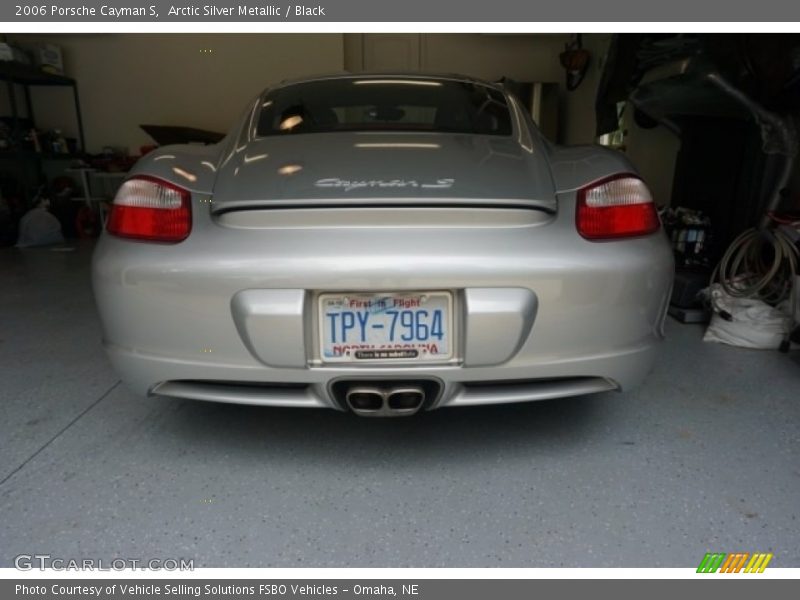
{"points": [[384, 104]]}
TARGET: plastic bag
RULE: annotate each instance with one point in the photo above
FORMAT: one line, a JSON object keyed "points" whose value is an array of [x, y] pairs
{"points": [[752, 324], [38, 227]]}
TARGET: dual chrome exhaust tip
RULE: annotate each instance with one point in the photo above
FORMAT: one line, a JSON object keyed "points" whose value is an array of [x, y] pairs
{"points": [[397, 401]]}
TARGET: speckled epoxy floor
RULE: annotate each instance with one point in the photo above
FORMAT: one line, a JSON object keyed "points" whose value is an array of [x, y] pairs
{"points": [[705, 456]]}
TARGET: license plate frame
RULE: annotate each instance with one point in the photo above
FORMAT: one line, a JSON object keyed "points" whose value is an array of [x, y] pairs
{"points": [[440, 298]]}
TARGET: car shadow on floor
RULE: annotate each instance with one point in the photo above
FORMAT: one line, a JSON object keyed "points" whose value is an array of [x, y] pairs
{"points": [[319, 434]]}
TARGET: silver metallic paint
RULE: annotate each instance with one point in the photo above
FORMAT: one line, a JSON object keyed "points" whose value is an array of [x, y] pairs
{"points": [[499, 321], [270, 323], [198, 311]]}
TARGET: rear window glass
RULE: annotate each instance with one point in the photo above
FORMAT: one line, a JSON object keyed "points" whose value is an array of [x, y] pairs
{"points": [[384, 104]]}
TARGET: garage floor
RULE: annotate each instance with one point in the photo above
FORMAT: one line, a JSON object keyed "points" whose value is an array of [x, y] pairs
{"points": [[705, 456]]}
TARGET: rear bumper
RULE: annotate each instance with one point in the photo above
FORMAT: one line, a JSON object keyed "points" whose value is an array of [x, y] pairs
{"points": [[520, 382], [228, 314]]}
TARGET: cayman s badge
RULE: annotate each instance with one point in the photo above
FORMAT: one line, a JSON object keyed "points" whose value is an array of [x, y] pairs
{"points": [[348, 185]]}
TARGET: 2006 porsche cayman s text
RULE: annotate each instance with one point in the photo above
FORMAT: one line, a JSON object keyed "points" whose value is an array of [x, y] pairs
{"points": [[382, 244]]}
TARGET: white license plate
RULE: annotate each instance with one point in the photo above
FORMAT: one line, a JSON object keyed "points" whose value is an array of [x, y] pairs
{"points": [[401, 326]]}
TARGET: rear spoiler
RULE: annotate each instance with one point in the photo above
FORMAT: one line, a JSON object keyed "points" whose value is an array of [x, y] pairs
{"points": [[548, 206]]}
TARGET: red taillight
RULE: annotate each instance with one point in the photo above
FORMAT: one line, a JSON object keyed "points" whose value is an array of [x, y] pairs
{"points": [[619, 206], [147, 208]]}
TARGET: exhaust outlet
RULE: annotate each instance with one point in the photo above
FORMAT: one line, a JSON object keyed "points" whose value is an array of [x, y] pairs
{"points": [[405, 399], [367, 401]]}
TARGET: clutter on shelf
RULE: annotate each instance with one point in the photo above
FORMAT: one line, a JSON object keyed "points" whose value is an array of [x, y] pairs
{"points": [[47, 58], [690, 233]]}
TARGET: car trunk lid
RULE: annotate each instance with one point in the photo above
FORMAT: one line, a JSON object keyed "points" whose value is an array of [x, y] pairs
{"points": [[377, 169]]}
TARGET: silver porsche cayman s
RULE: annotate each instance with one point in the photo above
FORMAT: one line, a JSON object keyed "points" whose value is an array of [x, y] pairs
{"points": [[382, 244]]}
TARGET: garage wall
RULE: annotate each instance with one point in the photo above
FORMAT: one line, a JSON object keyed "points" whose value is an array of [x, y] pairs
{"points": [[168, 80], [578, 119], [525, 57], [491, 56]]}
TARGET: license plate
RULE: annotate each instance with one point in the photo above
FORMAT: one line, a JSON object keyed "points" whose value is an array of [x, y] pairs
{"points": [[402, 326]]}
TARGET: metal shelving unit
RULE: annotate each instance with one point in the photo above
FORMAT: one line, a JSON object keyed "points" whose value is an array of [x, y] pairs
{"points": [[29, 161]]}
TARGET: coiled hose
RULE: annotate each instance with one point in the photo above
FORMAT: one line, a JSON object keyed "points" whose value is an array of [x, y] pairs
{"points": [[761, 263]]}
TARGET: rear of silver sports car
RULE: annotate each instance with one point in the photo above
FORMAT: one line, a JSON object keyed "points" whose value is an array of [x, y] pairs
{"points": [[382, 272]]}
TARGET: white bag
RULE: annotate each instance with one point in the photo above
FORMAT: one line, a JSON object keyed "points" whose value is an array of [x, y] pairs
{"points": [[38, 227], [753, 323]]}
